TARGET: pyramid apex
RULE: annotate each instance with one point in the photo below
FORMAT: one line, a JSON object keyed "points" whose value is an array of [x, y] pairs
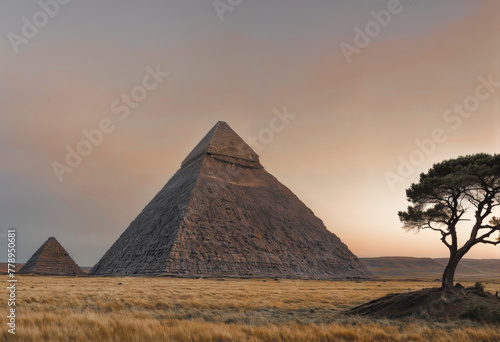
{"points": [[222, 143], [51, 239]]}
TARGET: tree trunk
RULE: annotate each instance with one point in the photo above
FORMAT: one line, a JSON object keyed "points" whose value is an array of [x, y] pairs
{"points": [[449, 272]]}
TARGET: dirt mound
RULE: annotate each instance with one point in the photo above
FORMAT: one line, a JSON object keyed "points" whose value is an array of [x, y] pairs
{"points": [[434, 304]]}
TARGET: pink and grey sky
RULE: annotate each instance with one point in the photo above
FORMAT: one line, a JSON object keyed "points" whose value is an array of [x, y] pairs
{"points": [[353, 121]]}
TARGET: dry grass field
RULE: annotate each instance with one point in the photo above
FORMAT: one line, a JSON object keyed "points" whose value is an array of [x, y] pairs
{"points": [[170, 309]]}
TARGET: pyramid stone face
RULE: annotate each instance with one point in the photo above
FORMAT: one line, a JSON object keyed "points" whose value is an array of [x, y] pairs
{"points": [[223, 215], [51, 259]]}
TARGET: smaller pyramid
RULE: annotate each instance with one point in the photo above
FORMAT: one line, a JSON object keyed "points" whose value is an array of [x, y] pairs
{"points": [[51, 259]]}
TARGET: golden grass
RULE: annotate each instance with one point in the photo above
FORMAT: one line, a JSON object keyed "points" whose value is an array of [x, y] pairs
{"points": [[170, 309]]}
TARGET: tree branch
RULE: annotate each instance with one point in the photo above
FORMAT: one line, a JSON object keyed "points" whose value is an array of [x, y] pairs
{"points": [[444, 234], [490, 242], [484, 236], [487, 226]]}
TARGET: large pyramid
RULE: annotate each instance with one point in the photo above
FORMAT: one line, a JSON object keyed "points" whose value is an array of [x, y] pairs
{"points": [[51, 259], [223, 215]]}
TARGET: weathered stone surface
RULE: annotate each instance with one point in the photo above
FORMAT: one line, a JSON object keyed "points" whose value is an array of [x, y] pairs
{"points": [[223, 215], [51, 259], [222, 143]]}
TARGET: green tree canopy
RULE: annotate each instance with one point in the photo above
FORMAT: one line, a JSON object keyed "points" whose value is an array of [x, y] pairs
{"points": [[446, 194]]}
